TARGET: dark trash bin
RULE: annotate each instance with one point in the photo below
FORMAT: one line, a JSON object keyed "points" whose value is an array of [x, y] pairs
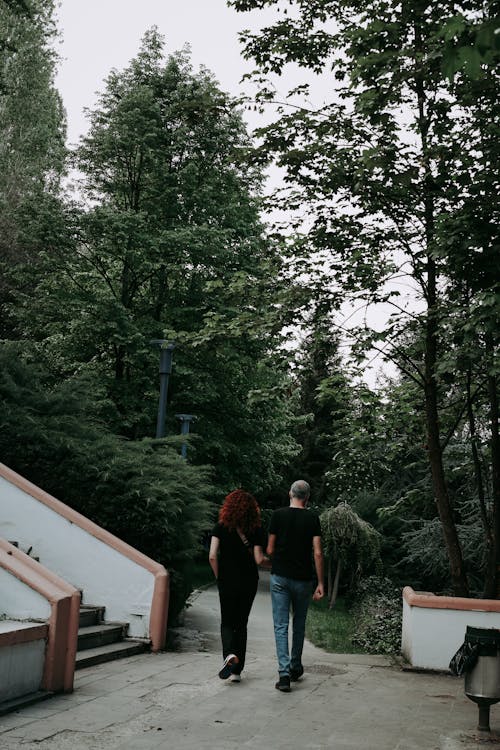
{"points": [[482, 678]]}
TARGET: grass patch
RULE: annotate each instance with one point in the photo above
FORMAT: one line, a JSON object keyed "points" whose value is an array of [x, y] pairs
{"points": [[331, 629]]}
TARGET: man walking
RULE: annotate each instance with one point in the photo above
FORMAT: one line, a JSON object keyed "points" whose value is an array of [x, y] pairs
{"points": [[294, 533]]}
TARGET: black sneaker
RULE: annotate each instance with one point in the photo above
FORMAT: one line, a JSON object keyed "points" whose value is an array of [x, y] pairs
{"points": [[226, 667], [283, 684], [296, 674]]}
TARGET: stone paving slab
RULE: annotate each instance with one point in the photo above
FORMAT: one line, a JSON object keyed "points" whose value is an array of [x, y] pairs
{"points": [[175, 700]]}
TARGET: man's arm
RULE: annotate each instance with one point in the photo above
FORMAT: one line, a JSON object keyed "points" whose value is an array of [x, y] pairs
{"points": [[318, 564], [271, 545]]}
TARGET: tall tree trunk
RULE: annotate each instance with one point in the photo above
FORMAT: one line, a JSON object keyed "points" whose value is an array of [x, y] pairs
{"points": [[495, 463], [119, 362], [335, 590], [441, 497], [120, 349], [489, 589], [435, 453], [161, 293]]}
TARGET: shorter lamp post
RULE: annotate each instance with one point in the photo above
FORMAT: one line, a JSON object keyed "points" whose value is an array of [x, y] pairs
{"points": [[185, 420], [166, 353]]}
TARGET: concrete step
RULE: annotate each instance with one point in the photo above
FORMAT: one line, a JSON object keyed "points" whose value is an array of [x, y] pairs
{"points": [[92, 636], [90, 615], [25, 700], [109, 652]]}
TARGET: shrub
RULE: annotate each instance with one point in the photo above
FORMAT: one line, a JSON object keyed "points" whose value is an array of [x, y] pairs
{"points": [[377, 610], [140, 490], [351, 546]]}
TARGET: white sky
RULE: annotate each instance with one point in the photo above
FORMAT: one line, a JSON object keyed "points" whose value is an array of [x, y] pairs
{"points": [[98, 35]]}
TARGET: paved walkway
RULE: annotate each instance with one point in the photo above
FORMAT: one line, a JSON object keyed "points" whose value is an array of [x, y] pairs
{"points": [[175, 700]]}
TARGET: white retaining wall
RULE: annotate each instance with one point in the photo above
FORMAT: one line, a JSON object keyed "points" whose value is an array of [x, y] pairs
{"points": [[21, 664], [106, 576], [430, 636], [18, 601]]}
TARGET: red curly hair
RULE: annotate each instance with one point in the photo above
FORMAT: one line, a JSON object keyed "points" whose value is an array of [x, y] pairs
{"points": [[240, 509]]}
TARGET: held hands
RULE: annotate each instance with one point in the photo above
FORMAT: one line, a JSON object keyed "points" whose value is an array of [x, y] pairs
{"points": [[319, 592]]}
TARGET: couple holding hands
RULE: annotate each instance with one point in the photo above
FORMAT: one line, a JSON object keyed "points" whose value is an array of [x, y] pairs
{"points": [[237, 548]]}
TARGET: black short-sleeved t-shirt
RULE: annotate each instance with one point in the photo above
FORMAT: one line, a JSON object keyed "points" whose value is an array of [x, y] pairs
{"points": [[294, 529], [236, 563]]}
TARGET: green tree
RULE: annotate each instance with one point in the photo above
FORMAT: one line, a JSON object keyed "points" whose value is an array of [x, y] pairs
{"points": [[402, 507], [169, 243], [470, 232], [338, 425], [471, 40], [319, 362], [378, 169], [32, 130], [351, 545], [142, 491], [358, 463]]}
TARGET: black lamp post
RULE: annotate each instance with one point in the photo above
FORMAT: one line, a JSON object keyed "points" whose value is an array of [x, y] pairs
{"points": [[186, 420], [166, 354]]}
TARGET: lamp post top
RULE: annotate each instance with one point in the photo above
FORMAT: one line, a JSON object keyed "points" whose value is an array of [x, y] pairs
{"points": [[185, 417], [163, 343]]}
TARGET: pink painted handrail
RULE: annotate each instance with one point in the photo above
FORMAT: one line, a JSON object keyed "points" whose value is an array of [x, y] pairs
{"points": [[64, 600]]}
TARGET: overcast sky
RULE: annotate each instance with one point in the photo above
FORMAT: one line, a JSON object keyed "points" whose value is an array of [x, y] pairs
{"points": [[98, 35]]}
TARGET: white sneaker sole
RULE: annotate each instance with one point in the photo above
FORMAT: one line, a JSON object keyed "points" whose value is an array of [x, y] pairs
{"points": [[225, 672]]}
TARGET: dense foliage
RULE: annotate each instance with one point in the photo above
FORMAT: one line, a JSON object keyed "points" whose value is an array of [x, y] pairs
{"points": [[141, 490], [377, 612], [32, 151], [392, 192], [397, 174], [161, 237], [168, 243]]}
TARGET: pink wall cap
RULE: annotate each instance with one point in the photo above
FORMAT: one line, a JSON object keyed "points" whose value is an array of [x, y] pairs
{"points": [[17, 636], [433, 601]]}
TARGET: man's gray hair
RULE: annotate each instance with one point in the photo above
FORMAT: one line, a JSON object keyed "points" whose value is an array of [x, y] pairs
{"points": [[300, 490]]}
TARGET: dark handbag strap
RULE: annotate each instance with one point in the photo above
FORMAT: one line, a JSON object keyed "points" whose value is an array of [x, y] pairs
{"points": [[245, 541]]}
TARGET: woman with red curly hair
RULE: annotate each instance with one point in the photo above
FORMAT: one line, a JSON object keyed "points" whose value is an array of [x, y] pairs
{"points": [[236, 548]]}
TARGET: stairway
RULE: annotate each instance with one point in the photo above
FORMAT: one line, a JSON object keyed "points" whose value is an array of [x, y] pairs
{"points": [[100, 641]]}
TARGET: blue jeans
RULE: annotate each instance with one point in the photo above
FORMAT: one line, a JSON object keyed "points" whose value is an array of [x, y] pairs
{"points": [[288, 593]]}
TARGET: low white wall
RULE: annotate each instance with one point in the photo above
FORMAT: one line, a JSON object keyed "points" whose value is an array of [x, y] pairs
{"points": [[21, 665], [431, 636], [19, 601], [105, 576]]}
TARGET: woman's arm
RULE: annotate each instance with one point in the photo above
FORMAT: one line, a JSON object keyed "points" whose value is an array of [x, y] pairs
{"points": [[262, 560], [213, 555], [258, 554]]}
